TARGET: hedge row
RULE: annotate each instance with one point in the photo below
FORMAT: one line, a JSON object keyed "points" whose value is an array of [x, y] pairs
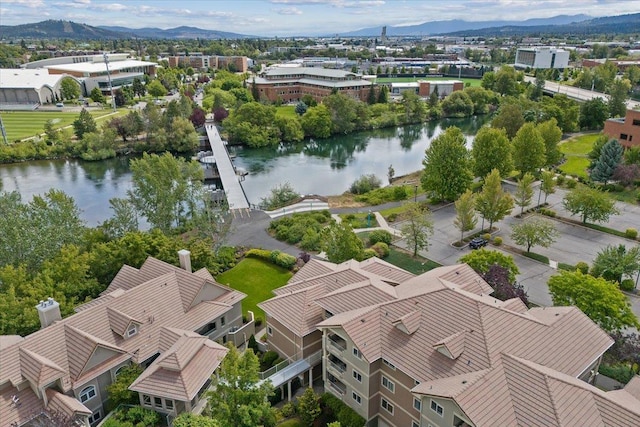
{"points": [[278, 258]]}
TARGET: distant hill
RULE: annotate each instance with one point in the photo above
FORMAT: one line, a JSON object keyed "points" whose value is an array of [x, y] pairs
{"points": [[52, 29], [622, 24], [458, 25], [178, 33]]}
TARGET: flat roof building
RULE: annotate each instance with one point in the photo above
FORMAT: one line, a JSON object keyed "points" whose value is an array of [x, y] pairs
{"points": [[542, 57]]}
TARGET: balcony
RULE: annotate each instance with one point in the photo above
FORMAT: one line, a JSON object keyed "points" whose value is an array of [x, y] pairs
{"points": [[337, 343], [336, 386], [336, 365]]}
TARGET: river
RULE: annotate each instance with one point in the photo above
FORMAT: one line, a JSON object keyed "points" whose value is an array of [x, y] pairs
{"points": [[322, 167]]}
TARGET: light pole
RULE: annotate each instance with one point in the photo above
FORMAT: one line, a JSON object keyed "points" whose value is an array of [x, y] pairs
{"points": [[113, 98], [415, 194]]}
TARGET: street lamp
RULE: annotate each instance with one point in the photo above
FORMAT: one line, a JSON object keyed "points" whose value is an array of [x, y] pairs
{"points": [[415, 193], [113, 98], [369, 219]]}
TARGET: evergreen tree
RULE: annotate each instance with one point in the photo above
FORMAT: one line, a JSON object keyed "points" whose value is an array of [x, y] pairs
{"points": [[493, 203], [383, 95], [371, 97], [610, 158]]}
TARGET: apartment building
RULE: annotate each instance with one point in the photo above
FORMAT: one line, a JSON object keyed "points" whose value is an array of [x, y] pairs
{"points": [[625, 129], [238, 64], [160, 316], [290, 84], [418, 351]]}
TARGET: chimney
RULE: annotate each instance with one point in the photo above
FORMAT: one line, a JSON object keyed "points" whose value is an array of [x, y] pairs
{"points": [[49, 312], [185, 259]]}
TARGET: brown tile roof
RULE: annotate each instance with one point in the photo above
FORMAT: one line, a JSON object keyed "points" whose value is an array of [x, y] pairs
{"points": [[387, 272], [156, 301], [313, 268], [181, 371], [454, 344], [18, 406], [39, 370], [68, 405], [119, 321], [408, 323]]}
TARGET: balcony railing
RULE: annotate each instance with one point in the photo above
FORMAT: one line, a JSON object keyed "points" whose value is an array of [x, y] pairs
{"points": [[338, 387], [337, 367], [338, 343]]}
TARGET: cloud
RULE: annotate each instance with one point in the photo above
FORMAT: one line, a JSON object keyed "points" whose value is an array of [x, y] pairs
{"points": [[289, 11], [25, 3], [82, 1], [111, 7]]}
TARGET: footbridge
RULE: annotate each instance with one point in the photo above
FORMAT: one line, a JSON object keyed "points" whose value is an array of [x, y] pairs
{"points": [[236, 197]]}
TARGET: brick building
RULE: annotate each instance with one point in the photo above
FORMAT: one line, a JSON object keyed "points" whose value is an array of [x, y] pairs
{"points": [[626, 130], [239, 64]]}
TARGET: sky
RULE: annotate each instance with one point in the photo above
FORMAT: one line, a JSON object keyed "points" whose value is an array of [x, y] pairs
{"points": [[296, 17]]}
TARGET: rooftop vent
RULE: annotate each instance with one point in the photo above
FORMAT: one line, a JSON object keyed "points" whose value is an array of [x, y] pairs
{"points": [[185, 259], [48, 312]]}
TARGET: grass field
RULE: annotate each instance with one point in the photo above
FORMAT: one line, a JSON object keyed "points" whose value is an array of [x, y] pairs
{"points": [[257, 279], [286, 111], [576, 151], [404, 260], [25, 124], [472, 82]]}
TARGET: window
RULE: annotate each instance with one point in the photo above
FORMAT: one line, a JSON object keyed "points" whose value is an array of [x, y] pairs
{"points": [[146, 400], [157, 402], [387, 383], [636, 122], [119, 370], [95, 417], [223, 321], [169, 404], [386, 406], [389, 364], [357, 375], [213, 326], [437, 408], [624, 136], [356, 397], [357, 353], [417, 404], [87, 394], [269, 330], [415, 424], [132, 330]]}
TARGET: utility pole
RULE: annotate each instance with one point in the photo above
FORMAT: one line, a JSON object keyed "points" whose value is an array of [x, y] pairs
{"points": [[4, 132], [106, 63]]}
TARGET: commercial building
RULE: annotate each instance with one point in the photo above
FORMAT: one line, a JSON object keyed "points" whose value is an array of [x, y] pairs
{"points": [[626, 129], [424, 88], [438, 350], [542, 57], [162, 317], [290, 84], [239, 64], [26, 89]]}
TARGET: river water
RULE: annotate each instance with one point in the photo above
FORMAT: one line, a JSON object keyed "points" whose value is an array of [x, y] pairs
{"points": [[324, 167]]}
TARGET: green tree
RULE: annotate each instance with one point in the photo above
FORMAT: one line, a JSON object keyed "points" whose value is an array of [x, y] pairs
{"points": [[138, 87], [534, 232], [383, 95], [593, 113], [163, 186], [69, 88], [308, 407], [590, 203], [343, 113], [491, 150], [119, 393], [528, 149], [97, 96], [614, 262], [457, 104], [481, 99], [279, 196], [610, 158], [124, 219], [447, 165], [524, 191], [51, 132], [156, 89], [465, 219], [547, 184], [290, 129], [510, 117], [254, 124], [493, 203], [417, 228], [506, 82], [482, 259], [596, 297], [301, 108], [596, 149], [187, 419], [238, 399], [84, 124], [340, 243], [551, 135], [316, 122], [414, 107], [618, 95]]}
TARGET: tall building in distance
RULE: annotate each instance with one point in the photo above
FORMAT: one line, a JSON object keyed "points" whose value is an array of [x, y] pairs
{"points": [[542, 58]]}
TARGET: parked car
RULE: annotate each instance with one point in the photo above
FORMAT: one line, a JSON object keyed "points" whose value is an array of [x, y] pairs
{"points": [[60, 104], [478, 242]]}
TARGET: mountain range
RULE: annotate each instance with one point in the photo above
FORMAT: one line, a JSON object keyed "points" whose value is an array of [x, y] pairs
{"points": [[562, 24]]}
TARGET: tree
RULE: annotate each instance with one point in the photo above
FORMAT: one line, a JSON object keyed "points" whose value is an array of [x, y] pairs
{"points": [[447, 165], [528, 149], [457, 104], [198, 117], [308, 407], [614, 262], [618, 94], [491, 150], [547, 184], [163, 186], [598, 298], [301, 108], [156, 89], [290, 129], [340, 243], [124, 219], [97, 96], [504, 289], [239, 400], [343, 113], [281, 195], [590, 203], [596, 149], [417, 228], [118, 390], [138, 87], [69, 88], [482, 259], [534, 232], [254, 124], [610, 158], [465, 213], [51, 132], [493, 203], [551, 135], [593, 113], [188, 419], [84, 124], [316, 122], [510, 117], [524, 191], [119, 97]]}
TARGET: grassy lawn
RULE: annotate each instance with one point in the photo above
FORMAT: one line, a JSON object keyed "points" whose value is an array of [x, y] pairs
{"points": [[291, 422], [286, 111], [257, 279], [25, 124], [472, 82], [404, 260], [360, 220], [576, 151]]}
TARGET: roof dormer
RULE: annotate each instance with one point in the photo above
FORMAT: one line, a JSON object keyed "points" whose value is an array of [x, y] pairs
{"points": [[409, 323], [451, 346], [122, 324]]}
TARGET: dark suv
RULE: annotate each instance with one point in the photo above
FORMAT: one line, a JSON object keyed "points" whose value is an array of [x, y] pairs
{"points": [[478, 242]]}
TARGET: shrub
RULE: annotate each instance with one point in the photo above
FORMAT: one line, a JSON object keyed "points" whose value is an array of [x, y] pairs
{"points": [[399, 192], [571, 183], [619, 372], [336, 410], [280, 196], [380, 236], [627, 285], [311, 240], [497, 241], [560, 179], [486, 236], [364, 184], [582, 267], [393, 216], [381, 249], [288, 410], [283, 259], [548, 212], [268, 359], [631, 233], [369, 253], [258, 321]]}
